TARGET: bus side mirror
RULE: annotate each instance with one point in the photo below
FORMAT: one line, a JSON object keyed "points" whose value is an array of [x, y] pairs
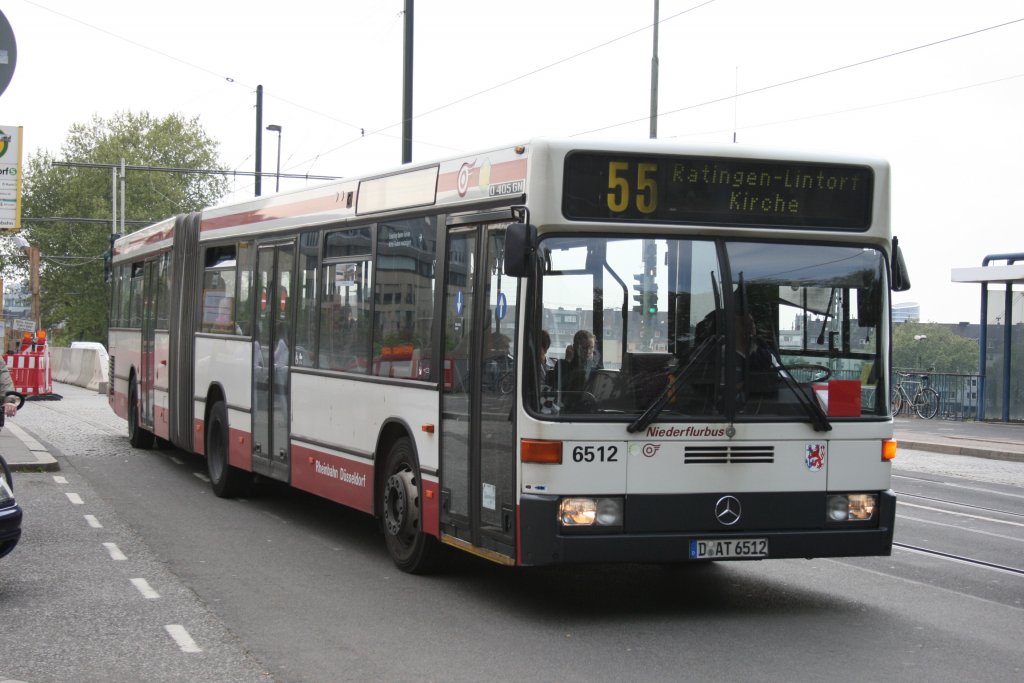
{"points": [[520, 244], [900, 277]]}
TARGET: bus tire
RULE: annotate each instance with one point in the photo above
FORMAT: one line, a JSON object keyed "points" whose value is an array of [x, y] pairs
{"points": [[138, 436], [411, 549], [226, 481]]}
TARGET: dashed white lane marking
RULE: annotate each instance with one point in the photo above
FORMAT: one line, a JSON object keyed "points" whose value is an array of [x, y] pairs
{"points": [[146, 590], [182, 638], [115, 552], [177, 461], [93, 522], [59, 479], [75, 498], [200, 475]]}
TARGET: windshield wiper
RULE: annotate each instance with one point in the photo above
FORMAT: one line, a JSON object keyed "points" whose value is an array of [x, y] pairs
{"points": [[674, 378], [819, 420]]}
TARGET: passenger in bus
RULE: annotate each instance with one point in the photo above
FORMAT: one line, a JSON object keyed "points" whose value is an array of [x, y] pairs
{"points": [[755, 372], [545, 365], [581, 358], [751, 349], [223, 322], [281, 358]]}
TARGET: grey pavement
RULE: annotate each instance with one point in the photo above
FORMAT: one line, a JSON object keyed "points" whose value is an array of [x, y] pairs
{"points": [[993, 440], [23, 452]]}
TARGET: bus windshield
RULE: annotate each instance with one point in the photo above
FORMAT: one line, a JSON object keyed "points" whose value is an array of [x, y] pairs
{"points": [[706, 330]]}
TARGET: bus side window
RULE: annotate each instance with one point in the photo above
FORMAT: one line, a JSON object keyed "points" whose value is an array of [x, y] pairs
{"points": [[218, 303]]}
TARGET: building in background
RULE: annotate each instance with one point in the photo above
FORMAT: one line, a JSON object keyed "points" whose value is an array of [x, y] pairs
{"points": [[906, 312]]}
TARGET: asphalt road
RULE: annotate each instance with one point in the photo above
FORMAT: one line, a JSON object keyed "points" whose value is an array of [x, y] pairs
{"points": [[282, 586]]}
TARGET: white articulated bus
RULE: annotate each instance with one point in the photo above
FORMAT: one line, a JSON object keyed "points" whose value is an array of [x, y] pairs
{"points": [[561, 351]]}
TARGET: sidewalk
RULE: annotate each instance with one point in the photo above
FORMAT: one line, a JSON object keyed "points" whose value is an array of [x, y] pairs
{"points": [[22, 452], [993, 440]]}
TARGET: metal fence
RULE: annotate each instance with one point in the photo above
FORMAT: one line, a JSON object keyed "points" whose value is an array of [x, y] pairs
{"points": [[958, 394]]}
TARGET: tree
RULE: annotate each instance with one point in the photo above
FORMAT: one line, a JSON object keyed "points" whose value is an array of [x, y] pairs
{"points": [[74, 295], [930, 346]]}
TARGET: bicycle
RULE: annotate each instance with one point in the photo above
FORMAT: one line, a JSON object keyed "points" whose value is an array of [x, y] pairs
{"points": [[925, 401]]}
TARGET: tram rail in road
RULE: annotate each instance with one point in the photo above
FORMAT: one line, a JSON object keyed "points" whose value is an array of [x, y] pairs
{"points": [[959, 558], [985, 512]]}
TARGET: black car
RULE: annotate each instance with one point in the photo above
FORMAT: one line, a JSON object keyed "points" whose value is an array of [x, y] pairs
{"points": [[10, 514]]}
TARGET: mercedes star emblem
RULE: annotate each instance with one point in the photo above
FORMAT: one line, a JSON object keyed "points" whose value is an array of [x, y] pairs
{"points": [[727, 510]]}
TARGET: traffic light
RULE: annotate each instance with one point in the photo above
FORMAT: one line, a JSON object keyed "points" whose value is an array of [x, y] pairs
{"points": [[640, 297], [108, 259], [646, 295], [651, 300]]}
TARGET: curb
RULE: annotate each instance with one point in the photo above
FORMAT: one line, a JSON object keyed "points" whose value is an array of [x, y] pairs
{"points": [[43, 461], [949, 449]]}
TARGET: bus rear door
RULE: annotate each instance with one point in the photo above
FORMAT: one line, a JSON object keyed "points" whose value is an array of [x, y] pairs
{"points": [[148, 357]]}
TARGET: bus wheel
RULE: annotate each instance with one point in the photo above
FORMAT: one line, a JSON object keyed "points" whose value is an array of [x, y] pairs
{"points": [[138, 436], [412, 550], [227, 481]]}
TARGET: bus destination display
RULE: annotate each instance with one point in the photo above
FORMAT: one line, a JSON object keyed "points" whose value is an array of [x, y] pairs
{"points": [[717, 191]]}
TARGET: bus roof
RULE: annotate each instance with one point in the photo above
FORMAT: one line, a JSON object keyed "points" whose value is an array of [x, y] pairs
{"points": [[496, 174]]}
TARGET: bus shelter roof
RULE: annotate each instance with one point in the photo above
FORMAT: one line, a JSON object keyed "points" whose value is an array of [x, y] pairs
{"points": [[1012, 274]]}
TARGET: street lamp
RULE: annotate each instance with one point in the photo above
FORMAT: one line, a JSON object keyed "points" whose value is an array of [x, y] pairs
{"points": [[277, 129], [919, 338]]}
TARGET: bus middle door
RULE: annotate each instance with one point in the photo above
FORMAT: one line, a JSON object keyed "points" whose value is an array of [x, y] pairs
{"points": [[272, 343]]}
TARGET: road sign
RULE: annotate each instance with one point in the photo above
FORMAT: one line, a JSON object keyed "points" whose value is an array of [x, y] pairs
{"points": [[8, 52], [10, 178]]}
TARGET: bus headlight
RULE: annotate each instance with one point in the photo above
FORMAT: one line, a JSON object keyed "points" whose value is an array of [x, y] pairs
{"points": [[603, 513], [851, 507]]}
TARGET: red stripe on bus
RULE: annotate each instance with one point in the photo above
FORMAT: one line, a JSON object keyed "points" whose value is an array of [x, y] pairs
{"points": [[161, 427], [345, 481], [199, 438], [431, 509], [334, 200], [502, 172], [240, 449], [137, 244]]}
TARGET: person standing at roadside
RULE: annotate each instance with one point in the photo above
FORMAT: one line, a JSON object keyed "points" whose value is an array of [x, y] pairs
{"points": [[7, 384]]}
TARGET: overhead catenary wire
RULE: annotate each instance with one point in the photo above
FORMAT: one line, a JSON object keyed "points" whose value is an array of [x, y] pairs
{"points": [[367, 132], [807, 77]]}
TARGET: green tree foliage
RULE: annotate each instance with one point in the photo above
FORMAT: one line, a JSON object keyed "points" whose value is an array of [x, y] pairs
{"points": [[940, 350], [74, 294]]}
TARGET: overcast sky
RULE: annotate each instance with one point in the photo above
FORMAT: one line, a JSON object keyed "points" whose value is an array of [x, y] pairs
{"points": [[936, 87]]}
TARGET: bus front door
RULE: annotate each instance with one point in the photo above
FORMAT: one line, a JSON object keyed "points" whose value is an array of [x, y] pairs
{"points": [[275, 267], [478, 448]]}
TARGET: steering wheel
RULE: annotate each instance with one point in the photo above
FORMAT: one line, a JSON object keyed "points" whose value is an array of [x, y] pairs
{"points": [[818, 373]]}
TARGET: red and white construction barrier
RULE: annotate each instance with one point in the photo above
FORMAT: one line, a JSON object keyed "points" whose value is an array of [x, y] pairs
{"points": [[31, 372]]}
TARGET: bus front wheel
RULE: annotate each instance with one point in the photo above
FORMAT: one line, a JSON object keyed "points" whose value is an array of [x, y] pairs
{"points": [[411, 549]]}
